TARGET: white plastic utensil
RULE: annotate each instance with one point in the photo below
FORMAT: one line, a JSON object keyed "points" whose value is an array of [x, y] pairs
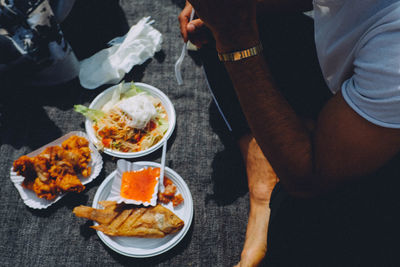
{"points": [[164, 152], [178, 63]]}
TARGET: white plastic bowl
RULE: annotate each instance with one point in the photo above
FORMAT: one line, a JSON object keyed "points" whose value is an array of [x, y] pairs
{"points": [[105, 96]]}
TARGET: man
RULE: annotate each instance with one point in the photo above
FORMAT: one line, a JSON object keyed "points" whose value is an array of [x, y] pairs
{"points": [[357, 130]]}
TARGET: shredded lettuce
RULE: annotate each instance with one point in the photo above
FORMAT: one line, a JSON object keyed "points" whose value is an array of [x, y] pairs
{"points": [[91, 114], [162, 125], [116, 96], [134, 90]]}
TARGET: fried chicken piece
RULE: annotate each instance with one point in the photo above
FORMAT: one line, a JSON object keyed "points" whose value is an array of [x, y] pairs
{"points": [[162, 199], [75, 142], [69, 183], [24, 166], [77, 152], [86, 172], [42, 165], [85, 153], [53, 153], [61, 168], [71, 156], [46, 190], [177, 200], [167, 182], [79, 157], [170, 190], [28, 184], [130, 220], [77, 160], [169, 194]]}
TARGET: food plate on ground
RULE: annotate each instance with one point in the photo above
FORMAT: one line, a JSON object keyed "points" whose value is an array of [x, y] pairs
{"points": [[148, 247], [129, 120], [45, 175]]}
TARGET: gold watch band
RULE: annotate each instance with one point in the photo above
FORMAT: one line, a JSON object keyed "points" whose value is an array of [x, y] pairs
{"points": [[238, 55]]}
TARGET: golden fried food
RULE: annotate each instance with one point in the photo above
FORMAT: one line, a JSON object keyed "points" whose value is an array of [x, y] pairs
{"points": [[61, 168], [78, 158], [55, 169], [41, 165], [25, 167], [69, 183], [177, 200], [169, 194], [47, 189], [130, 220], [53, 153], [75, 142]]}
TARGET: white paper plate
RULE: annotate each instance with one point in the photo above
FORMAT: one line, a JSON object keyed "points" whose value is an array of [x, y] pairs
{"points": [[105, 96], [29, 197], [148, 247]]}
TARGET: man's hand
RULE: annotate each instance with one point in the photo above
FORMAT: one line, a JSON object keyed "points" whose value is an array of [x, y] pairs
{"points": [[194, 31], [232, 23]]}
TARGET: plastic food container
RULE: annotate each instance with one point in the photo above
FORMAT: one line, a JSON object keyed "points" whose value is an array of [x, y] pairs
{"points": [[105, 96]]}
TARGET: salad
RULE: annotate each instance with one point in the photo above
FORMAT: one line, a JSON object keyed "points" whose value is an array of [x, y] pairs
{"points": [[131, 121]]}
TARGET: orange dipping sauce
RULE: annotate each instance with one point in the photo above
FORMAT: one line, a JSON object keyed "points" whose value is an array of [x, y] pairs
{"points": [[139, 185]]}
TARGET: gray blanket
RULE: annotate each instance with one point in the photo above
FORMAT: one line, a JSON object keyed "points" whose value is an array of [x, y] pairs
{"points": [[212, 168]]}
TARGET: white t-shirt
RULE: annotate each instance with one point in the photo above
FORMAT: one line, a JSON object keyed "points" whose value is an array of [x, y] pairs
{"points": [[358, 46]]}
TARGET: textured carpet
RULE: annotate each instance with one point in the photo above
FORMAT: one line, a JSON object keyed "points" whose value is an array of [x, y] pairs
{"points": [[32, 117], [357, 226]]}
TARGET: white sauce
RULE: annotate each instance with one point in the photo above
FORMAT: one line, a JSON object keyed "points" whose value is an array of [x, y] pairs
{"points": [[140, 110]]}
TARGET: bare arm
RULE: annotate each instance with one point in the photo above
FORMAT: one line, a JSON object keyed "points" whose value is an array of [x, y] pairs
{"points": [[344, 146]]}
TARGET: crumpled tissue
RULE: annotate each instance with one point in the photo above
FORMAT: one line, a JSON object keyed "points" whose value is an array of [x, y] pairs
{"points": [[109, 65]]}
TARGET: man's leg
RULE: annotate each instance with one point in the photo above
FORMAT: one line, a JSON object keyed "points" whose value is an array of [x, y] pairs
{"points": [[260, 175], [261, 181]]}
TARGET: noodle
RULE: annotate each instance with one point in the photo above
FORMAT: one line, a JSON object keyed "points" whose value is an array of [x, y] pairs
{"points": [[115, 132]]}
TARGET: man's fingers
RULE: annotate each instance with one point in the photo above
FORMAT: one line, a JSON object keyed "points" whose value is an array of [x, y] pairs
{"points": [[195, 25], [184, 20], [194, 30], [198, 33]]}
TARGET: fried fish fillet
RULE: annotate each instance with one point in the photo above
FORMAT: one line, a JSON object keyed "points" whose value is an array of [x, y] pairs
{"points": [[129, 220]]}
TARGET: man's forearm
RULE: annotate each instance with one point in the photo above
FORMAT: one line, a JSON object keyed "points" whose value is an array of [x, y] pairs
{"points": [[285, 6], [279, 132]]}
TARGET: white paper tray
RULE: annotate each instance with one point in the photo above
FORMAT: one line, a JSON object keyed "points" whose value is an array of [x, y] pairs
{"points": [[29, 197]]}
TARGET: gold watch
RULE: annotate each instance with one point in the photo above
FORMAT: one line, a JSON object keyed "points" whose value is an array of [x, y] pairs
{"points": [[239, 55]]}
